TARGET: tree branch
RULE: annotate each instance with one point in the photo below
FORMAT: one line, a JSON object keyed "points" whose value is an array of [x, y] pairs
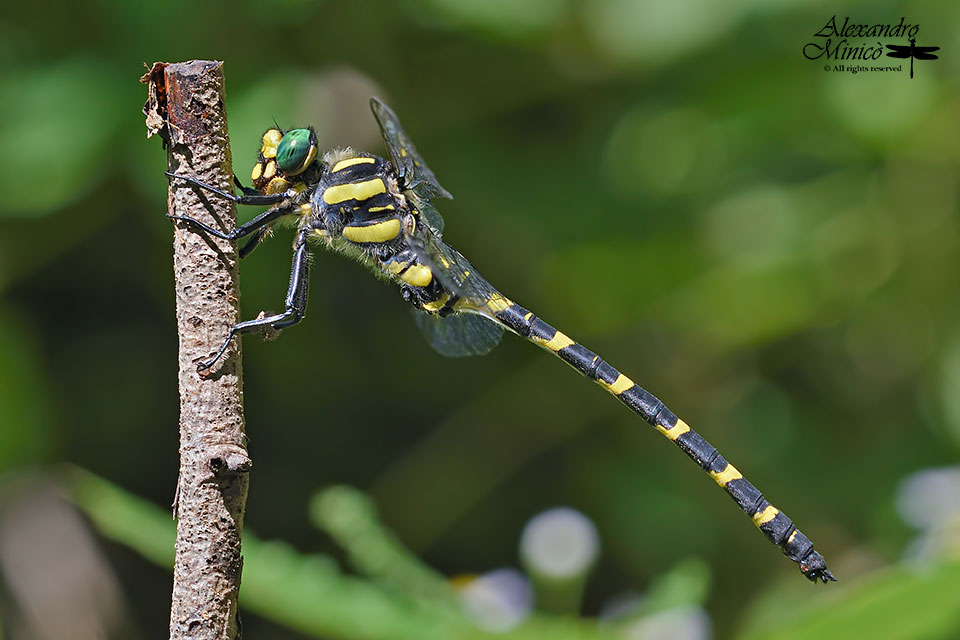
{"points": [[186, 108]]}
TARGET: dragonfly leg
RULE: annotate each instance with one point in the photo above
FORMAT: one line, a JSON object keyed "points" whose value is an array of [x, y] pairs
{"points": [[295, 305], [256, 224], [254, 242], [247, 191], [247, 198]]}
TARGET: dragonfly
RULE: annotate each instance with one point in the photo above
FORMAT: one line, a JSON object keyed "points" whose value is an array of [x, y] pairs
{"points": [[912, 51], [380, 211]]}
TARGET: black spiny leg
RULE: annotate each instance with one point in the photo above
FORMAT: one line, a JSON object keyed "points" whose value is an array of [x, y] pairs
{"points": [[257, 224], [295, 304], [247, 198], [253, 242], [261, 233], [247, 191]]}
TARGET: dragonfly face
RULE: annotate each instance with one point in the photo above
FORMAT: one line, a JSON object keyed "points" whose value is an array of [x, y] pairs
{"points": [[284, 160], [380, 212]]}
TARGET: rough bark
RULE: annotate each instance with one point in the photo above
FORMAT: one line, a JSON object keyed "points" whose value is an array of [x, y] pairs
{"points": [[186, 108]]}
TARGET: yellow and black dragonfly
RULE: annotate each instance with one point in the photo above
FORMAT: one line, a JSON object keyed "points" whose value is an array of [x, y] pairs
{"points": [[912, 51], [380, 212]]}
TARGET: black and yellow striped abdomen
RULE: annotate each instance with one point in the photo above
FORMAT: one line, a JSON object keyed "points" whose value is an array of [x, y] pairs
{"points": [[774, 524]]}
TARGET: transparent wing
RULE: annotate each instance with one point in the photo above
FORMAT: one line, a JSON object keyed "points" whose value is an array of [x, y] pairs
{"points": [[460, 335], [428, 213], [454, 272], [414, 172]]}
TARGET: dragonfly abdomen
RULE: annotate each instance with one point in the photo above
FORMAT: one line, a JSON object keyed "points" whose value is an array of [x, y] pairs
{"points": [[775, 525]]}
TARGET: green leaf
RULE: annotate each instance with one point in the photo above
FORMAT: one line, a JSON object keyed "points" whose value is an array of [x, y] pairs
{"points": [[350, 517], [303, 592], [898, 604]]}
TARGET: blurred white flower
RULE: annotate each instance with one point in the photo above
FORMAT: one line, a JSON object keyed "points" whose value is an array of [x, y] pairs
{"points": [[559, 544], [930, 497], [681, 623], [498, 600], [929, 500]]}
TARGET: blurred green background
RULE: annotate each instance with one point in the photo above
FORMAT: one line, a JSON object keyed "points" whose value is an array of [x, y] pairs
{"points": [[770, 247]]}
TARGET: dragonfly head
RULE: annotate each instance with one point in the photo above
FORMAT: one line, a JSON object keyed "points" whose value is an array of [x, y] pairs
{"points": [[283, 156]]}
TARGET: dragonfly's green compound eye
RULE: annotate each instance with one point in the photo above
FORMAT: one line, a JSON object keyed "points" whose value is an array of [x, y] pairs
{"points": [[296, 151]]}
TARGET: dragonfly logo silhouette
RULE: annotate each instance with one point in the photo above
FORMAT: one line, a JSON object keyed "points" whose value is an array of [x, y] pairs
{"points": [[912, 51]]}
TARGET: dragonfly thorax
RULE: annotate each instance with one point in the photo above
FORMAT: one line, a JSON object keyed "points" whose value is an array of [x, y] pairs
{"points": [[358, 196]]}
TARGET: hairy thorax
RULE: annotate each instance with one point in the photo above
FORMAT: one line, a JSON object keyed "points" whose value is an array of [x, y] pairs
{"points": [[359, 196]]}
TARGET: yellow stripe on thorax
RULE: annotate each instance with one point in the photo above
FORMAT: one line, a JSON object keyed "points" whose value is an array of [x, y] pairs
{"points": [[729, 473], [379, 232], [349, 162], [396, 266], [766, 515], [675, 431], [354, 191]]}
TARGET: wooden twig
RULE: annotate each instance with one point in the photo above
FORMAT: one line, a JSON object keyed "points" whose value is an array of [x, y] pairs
{"points": [[186, 108]]}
